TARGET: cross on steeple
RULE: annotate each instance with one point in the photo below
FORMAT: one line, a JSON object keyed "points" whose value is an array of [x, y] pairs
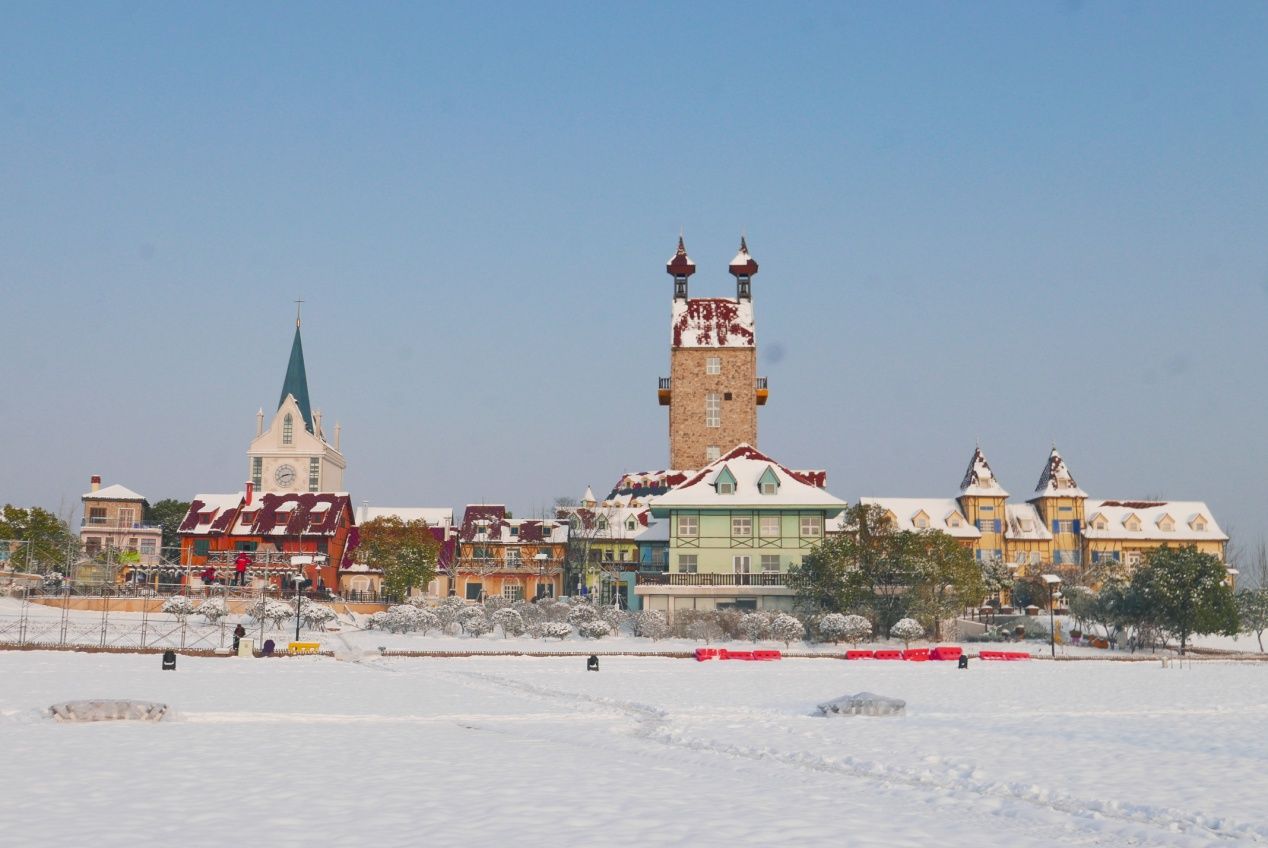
{"points": [[298, 304]]}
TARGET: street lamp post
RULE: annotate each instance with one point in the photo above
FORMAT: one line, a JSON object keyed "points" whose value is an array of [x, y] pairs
{"points": [[1053, 581], [541, 558]]}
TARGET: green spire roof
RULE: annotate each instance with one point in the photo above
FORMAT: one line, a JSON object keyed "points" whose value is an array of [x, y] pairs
{"points": [[296, 382]]}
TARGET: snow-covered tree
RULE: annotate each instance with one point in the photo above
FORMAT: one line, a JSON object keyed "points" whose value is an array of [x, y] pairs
{"points": [[317, 616], [213, 609], [403, 618], [1184, 592], [447, 611], [594, 628], [179, 606], [530, 613], [582, 613], [701, 626], [1252, 608], [556, 630], [473, 626], [907, 630], [786, 629], [652, 624], [270, 610], [378, 620], [857, 628], [831, 627], [511, 622], [493, 603], [754, 626], [554, 610]]}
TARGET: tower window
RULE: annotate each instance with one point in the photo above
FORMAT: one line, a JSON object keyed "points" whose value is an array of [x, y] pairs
{"points": [[288, 429], [314, 473], [713, 410], [257, 471], [713, 365], [712, 452]]}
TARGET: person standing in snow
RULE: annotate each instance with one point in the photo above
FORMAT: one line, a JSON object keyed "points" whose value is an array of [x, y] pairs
{"points": [[238, 633]]}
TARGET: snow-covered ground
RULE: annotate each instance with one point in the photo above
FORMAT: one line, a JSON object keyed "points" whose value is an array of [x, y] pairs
{"points": [[537, 751]]}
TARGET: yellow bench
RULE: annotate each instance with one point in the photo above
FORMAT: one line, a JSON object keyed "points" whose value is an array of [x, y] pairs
{"points": [[303, 647]]}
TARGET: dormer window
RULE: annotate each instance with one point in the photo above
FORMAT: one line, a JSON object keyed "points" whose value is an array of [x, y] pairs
{"points": [[768, 483], [725, 482], [1198, 523], [1132, 523], [1098, 522], [953, 520], [1166, 524], [921, 520], [288, 429], [631, 525], [603, 523]]}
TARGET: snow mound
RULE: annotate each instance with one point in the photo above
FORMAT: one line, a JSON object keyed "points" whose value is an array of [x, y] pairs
{"points": [[107, 711], [864, 703]]}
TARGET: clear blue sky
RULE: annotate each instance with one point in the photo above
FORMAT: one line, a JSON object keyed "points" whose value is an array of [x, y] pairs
{"points": [[1013, 222]]}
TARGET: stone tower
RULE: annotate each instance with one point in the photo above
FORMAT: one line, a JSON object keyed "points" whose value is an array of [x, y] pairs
{"points": [[713, 390]]}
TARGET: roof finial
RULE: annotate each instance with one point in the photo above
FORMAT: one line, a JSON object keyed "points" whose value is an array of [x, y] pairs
{"points": [[298, 304]]}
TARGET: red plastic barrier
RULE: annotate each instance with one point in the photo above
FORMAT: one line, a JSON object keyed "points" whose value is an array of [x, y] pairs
{"points": [[703, 654], [888, 655], [991, 655], [767, 655], [916, 654], [858, 655], [1016, 655], [738, 655], [945, 652], [722, 653]]}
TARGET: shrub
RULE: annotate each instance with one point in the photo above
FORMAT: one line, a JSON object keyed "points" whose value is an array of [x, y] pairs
{"points": [[377, 621], [477, 626], [317, 616], [582, 613], [652, 624], [907, 630], [270, 610], [179, 606], [556, 630], [511, 622], [785, 628], [754, 626], [595, 628], [212, 609]]}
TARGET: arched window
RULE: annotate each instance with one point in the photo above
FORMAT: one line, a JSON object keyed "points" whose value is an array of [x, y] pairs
{"points": [[288, 429]]}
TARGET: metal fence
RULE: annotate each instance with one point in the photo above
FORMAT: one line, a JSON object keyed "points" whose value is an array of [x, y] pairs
{"points": [[56, 623]]}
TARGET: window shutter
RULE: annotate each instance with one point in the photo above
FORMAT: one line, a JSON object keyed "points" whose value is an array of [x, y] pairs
{"points": [[1056, 526], [1076, 526], [997, 525]]}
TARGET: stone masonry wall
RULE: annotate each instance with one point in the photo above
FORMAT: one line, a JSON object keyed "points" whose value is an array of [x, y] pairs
{"points": [[689, 437]]}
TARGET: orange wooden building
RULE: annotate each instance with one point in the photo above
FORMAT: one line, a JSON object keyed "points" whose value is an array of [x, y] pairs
{"points": [[275, 529]]}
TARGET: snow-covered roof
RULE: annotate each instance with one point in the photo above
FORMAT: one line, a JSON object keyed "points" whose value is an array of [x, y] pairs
{"points": [[1025, 523], [1191, 521], [979, 479], [1056, 480], [747, 465], [270, 514], [607, 522], [656, 531], [941, 513], [113, 492], [435, 516], [712, 322]]}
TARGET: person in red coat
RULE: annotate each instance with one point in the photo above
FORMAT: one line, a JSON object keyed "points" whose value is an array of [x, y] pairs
{"points": [[240, 568]]}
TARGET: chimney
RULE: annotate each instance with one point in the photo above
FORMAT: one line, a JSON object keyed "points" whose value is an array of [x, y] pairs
{"points": [[250, 492], [96, 482]]}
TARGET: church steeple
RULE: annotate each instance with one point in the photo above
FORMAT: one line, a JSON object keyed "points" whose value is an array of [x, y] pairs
{"points": [[296, 382]]}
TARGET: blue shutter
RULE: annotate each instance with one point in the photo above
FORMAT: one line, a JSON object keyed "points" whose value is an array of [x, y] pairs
{"points": [[997, 525], [1056, 526], [1076, 526]]}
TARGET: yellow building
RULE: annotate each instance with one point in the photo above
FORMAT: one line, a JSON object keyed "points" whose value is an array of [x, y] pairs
{"points": [[1059, 528]]}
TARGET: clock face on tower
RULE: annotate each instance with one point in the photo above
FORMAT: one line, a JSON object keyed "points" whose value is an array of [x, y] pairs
{"points": [[284, 476]]}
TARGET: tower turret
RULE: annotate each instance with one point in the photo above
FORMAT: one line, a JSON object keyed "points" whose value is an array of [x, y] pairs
{"points": [[743, 267], [680, 267]]}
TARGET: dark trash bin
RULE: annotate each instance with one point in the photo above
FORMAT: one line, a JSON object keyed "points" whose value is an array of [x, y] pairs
{"points": [[964, 661], [169, 660], [268, 647], [592, 664]]}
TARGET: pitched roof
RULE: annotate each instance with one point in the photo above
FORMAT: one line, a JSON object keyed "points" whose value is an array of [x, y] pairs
{"points": [[979, 479], [1056, 480], [1024, 523], [270, 514], [747, 464], [296, 382], [1183, 513], [943, 513], [439, 516], [113, 493]]}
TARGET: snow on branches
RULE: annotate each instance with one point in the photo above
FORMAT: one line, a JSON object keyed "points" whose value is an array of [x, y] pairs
{"points": [[786, 629], [907, 630]]}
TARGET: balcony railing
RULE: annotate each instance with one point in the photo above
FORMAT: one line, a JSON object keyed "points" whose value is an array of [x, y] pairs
{"points": [[675, 579], [666, 383], [116, 524], [490, 564], [761, 383]]}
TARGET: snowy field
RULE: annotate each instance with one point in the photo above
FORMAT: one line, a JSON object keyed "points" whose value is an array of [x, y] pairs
{"points": [[496, 751]]}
